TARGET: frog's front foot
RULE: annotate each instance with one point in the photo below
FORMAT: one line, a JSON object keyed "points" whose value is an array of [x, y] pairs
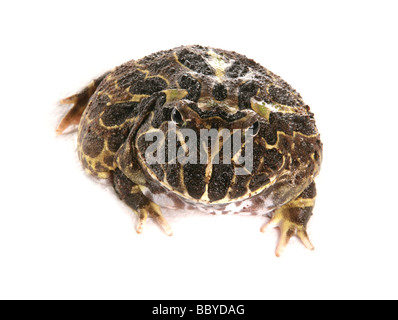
{"points": [[292, 219], [153, 211], [132, 195]]}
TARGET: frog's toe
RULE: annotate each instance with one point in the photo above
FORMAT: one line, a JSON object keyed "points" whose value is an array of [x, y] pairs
{"points": [[79, 101], [141, 223], [303, 236], [161, 221], [153, 211]]}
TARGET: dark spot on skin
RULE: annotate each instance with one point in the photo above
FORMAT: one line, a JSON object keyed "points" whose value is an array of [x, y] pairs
{"points": [[130, 77], [115, 141], [220, 92], [316, 156], [117, 114], [258, 152], [173, 175], [136, 201], [238, 189], [92, 144], [194, 62], [256, 203], [192, 85], [194, 179], [237, 69], [108, 160], [272, 159], [92, 170], [100, 168], [220, 181], [282, 96], [309, 192], [300, 216], [148, 86], [258, 181], [304, 148], [289, 122], [238, 204], [162, 65], [246, 92], [97, 106], [290, 233], [270, 135]]}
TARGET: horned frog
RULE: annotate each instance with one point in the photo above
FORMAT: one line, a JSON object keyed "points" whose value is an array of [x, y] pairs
{"points": [[200, 88]]}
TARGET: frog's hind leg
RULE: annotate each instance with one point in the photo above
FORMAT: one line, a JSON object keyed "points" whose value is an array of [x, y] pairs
{"points": [[79, 101], [292, 219], [131, 195]]}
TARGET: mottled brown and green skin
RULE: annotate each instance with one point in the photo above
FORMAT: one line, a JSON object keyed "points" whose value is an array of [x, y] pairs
{"points": [[211, 88]]}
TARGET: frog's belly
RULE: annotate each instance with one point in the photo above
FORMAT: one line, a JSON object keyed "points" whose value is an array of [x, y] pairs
{"points": [[255, 205]]}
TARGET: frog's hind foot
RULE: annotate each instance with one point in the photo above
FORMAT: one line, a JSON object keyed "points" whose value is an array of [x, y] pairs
{"points": [[79, 101], [287, 230], [292, 219]]}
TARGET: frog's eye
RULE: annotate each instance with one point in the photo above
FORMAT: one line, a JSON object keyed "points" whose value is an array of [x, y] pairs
{"points": [[176, 116], [254, 128]]}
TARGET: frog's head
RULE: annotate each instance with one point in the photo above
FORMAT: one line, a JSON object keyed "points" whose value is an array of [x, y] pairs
{"points": [[205, 152]]}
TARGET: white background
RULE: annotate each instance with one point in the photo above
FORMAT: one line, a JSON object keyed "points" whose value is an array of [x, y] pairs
{"points": [[64, 235]]}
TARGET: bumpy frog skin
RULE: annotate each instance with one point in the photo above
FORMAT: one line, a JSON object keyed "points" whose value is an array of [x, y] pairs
{"points": [[196, 88]]}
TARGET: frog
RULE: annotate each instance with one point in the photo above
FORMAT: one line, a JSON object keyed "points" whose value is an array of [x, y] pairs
{"points": [[258, 128]]}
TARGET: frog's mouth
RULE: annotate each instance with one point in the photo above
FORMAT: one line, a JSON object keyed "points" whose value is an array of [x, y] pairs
{"points": [[204, 157]]}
